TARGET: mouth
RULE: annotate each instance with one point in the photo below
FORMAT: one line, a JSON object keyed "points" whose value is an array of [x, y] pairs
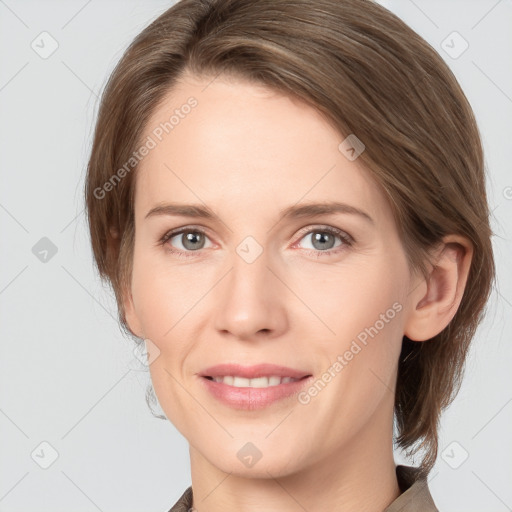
{"points": [[258, 382], [239, 375], [253, 387]]}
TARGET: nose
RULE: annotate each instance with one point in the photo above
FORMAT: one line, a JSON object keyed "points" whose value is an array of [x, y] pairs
{"points": [[251, 300]]}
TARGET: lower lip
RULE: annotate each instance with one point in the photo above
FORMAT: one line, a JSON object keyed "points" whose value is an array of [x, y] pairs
{"points": [[253, 398]]}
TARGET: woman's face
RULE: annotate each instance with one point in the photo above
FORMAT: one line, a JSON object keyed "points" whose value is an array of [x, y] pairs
{"points": [[323, 294]]}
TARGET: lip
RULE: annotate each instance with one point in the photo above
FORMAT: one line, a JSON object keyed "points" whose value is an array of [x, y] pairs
{"points": [[253, 398], [254, 371]]}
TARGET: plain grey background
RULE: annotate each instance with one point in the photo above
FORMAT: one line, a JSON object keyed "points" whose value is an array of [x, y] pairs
{"points": [[69, 379]]}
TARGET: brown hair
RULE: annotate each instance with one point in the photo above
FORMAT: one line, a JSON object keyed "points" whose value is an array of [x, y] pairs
{"points": [[370, 75]]}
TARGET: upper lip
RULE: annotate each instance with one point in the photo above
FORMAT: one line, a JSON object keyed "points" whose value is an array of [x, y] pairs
{"points": [[252, 372]]}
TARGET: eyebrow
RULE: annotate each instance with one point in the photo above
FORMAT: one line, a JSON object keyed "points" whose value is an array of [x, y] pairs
{"points": [[291, 212]]}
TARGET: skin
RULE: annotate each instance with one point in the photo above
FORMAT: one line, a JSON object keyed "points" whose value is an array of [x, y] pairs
{"points": [[247, 153]]}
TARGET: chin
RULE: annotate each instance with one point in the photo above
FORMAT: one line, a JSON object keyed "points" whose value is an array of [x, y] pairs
{"points": [[248, 461]]}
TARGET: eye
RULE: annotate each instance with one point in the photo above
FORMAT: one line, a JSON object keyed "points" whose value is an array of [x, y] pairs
{"points": [[323, 240], [187, 240]]}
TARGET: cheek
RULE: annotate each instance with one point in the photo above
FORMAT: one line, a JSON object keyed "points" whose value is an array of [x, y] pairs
{"points": [[172, 305], [349, 297], [361, 315], [162, 293]]}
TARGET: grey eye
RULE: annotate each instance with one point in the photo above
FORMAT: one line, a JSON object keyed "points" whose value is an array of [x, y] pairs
{"points": [[322, 240], [190, 240]]}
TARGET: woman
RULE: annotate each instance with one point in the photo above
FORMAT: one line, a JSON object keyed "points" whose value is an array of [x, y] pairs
{"points": [[327, 165]]}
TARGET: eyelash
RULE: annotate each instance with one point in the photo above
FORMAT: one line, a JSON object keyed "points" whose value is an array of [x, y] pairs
{"points": [[347, 240]]}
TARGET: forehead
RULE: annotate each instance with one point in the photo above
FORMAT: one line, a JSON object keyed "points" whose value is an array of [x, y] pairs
{"points": [[225, 141]]}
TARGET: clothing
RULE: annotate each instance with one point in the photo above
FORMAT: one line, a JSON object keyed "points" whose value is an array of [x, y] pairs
{"points": [[415, 495]]}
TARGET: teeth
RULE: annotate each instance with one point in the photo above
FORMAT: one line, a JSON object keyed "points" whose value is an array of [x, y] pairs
{"points": [[258, 382], [274, 381]]}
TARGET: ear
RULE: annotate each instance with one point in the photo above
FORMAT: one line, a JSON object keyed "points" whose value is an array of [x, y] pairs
{"points": [[435, 301]]}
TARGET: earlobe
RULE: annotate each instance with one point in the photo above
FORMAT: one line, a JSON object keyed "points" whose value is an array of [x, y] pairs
{"points": [[434, 304]]}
